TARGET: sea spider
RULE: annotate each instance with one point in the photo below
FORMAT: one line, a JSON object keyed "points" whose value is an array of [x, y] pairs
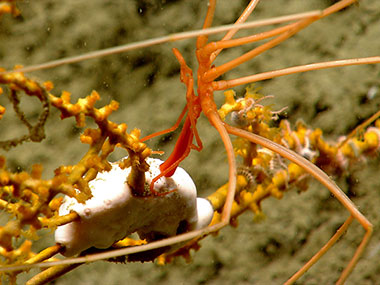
{"points": [[307, 86]]}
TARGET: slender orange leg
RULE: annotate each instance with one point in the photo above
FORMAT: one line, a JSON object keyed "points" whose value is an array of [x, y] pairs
{"points": [[215, 72], [208, 107], [342, 229], [193, 104], [169, 130], [299, 25], [185, 141], [180, 152], [211, 48], [330, 185], [225, 84], [243, 17], [202, 40], [207, 74]]}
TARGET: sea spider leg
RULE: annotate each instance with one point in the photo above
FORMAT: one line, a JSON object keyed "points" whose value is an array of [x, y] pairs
{"points": [[290, 30], [331, 186], [206, 74], [308, 166], [169, 130], [186, 77], [243, 17], [126, 48], [225, 84], [218, 124], [160, 40], [185, 141]]}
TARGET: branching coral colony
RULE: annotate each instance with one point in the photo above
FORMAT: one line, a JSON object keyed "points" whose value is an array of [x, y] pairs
{"points": [[106, 202]]}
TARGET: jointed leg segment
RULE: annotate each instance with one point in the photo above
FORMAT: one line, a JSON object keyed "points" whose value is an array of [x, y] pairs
{"points": [[331, 186], [204, 102], [206, 75]]}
